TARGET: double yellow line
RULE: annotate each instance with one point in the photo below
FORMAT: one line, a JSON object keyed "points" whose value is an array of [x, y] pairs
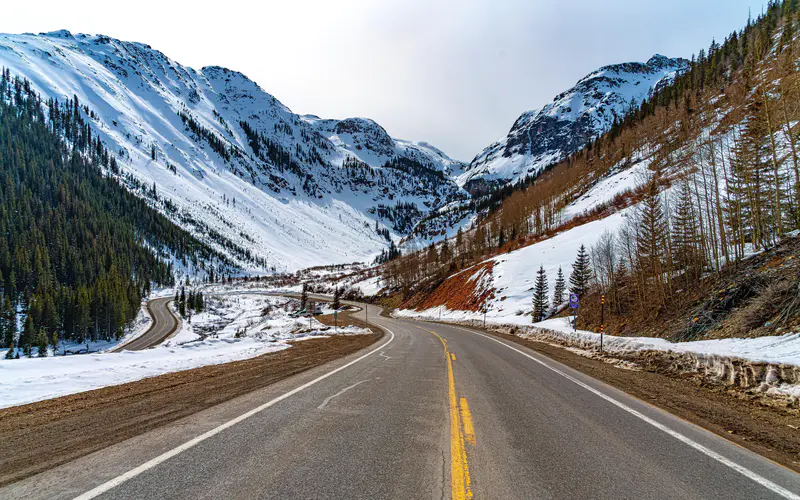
{"points": [[459, 468]]}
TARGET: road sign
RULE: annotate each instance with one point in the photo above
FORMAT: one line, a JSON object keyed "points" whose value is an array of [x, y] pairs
{"points": [[574, 300]]}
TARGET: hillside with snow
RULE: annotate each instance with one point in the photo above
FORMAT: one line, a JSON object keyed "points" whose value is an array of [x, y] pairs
{"points": [[543, 137], [226, 160]]}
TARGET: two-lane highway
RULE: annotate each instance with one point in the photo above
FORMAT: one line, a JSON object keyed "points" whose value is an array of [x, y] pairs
{"points": [[430, 411]]}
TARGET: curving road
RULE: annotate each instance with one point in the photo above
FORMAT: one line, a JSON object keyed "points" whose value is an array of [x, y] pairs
{"points": [[165, 323], [430, 411]]}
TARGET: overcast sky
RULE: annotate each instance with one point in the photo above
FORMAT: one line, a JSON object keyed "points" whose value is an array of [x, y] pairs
{"points": [[456, 74]]}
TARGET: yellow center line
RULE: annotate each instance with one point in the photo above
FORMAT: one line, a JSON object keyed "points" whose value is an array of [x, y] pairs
{"points": [[466, 416], [459, 469], [452, 355]]}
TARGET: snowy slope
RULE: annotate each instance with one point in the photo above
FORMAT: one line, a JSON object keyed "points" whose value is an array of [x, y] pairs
{"points": [[233, 164], [542, 137], [513, 274]]}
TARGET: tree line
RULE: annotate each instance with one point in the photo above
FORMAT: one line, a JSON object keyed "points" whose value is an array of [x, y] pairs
{"points": [[78, 251]]}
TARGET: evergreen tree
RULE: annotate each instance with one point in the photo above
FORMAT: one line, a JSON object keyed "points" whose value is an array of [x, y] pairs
{"points": [[686, 244], [651, 243], [560, 288], [54, 342], [540, 303], [7, 323], [28, 335], [337, 294], [581, 276], [41, 343]]}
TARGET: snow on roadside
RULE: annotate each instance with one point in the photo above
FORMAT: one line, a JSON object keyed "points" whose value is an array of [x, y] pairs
{"points": [[783, 349], [262, 323], [716, 358]]}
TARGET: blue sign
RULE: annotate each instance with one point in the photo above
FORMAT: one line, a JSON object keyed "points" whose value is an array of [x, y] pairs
{"points": [[574, 300]]}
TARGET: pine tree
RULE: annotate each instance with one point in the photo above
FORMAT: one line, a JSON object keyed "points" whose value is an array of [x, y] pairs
{"points": [[560, 288], [28, 335], [41, 343], [337, 293], [686, 246], [540, 303], [581, 276], [6, 325], [54, 342], [651, 242]]}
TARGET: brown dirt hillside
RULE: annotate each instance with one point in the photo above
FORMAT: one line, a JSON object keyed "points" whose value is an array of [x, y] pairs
{"points": [[755, 297]]}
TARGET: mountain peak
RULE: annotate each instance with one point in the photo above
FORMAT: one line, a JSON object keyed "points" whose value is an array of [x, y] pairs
{"points": [[541, 138], [57, 34], [659, 61]]}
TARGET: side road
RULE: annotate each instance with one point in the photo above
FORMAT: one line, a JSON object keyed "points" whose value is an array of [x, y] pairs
{"points": [[165, 324]]}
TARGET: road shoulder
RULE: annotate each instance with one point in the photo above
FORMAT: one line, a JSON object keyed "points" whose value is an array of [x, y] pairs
{"points": [[769, 431]]}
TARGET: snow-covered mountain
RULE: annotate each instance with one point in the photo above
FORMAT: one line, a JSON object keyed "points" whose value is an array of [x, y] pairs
{"points": [[231, 163], [542, 137]]}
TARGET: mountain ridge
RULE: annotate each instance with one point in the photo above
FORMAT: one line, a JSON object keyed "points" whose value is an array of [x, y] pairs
{"points": [[232, 158], [544, 136]]}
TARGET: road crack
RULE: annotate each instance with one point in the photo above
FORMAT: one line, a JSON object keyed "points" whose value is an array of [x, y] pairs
{"points": [[329, 398]]}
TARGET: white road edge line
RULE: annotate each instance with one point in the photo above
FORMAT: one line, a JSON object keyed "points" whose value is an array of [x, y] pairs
{"points": [[677, 435], [94, 492], [328, 399]]}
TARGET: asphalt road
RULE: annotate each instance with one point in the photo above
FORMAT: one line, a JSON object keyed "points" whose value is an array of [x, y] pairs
{"points": [[164, 324], [430, 411]]}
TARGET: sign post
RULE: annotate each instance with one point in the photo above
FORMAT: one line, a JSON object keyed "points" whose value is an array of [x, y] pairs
{"points": [[602, 312], [574, 303], [335, 318]]}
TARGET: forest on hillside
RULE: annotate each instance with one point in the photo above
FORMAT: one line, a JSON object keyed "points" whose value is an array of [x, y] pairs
{"points": [[78, 251], [723, 178]]}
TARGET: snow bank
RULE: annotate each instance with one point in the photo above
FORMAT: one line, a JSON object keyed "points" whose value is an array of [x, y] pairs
{"points": [[767, 364], [783, 349]]}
